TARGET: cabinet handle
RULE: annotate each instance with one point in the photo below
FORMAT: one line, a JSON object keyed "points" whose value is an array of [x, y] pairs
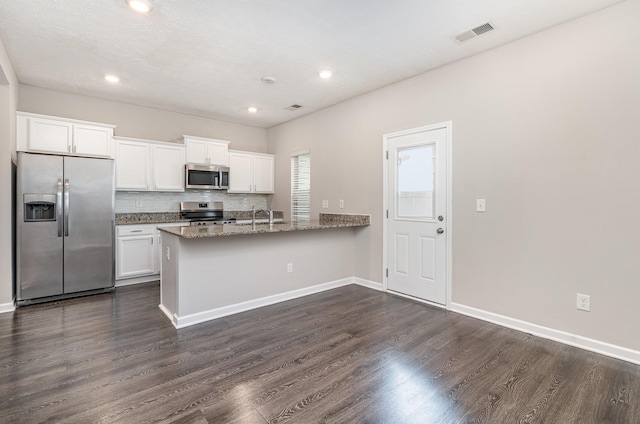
{"points": [[68, 148], [136, 231], [151, 240], [74, 148]]}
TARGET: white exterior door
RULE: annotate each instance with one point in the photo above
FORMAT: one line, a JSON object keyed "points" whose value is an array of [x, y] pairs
{"points": [[417, 212]]}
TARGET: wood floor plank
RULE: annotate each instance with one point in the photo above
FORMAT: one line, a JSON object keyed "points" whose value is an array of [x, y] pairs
{"points": [[349, 355]]}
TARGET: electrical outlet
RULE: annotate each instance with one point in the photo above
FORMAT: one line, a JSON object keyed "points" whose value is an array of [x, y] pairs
{"points": [[583, 302], [480, 205], [341, 204], [168, 253], [325, 204], [289, 267]]}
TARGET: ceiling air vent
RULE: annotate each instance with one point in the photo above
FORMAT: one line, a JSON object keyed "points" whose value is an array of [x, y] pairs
{"points": [[293, 107], [479, 30]]}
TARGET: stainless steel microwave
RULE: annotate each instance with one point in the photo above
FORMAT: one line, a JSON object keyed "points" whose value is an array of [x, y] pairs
{"points": [[206, 177]]}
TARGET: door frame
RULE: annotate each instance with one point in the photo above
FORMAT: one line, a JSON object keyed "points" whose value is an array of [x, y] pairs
{"points": [[448, 125]]}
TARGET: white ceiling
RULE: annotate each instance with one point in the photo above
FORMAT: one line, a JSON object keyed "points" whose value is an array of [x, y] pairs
{"points": [[207, 57]]}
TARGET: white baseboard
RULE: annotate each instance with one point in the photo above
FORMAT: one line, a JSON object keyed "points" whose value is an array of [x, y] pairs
{"points": [[7, 307], [368, 283], [137, 280], [581, 342], [187, 320], [168, 314]]}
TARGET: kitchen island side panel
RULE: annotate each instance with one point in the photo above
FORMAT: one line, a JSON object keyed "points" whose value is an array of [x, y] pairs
{"points": [[169, 276], [223, 271]]}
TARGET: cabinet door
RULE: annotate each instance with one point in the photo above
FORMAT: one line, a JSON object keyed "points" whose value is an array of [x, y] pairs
{"points": [[136, 256], [240, 172], [47, 135], [168, 168], [218, 153], [197, 151], [132, 166], [90, 140], [263, 174]]}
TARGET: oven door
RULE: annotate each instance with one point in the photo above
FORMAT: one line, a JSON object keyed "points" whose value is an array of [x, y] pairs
{"points": [[202, 177]]}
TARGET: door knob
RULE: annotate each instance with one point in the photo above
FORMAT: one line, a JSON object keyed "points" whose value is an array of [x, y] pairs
{"points": [[440, 218], [439, 231]]}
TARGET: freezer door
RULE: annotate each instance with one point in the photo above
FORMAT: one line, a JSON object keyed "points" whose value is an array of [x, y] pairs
{"points": [[89, 224], [39, 242]]}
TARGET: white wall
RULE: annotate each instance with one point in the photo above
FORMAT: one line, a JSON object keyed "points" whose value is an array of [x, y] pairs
{"points": [[547, 129], [139, 121], [8, 99]]}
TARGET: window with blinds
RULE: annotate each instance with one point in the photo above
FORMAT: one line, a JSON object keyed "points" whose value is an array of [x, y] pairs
{"points": [[301, 187]]}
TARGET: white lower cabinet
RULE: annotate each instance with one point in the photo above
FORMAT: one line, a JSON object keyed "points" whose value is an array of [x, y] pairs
{"points": [[135, 251], [138, 250]]}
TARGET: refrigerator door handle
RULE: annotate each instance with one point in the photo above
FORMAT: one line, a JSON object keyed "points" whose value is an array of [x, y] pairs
{"points": [[66, 208], [59, 206]]}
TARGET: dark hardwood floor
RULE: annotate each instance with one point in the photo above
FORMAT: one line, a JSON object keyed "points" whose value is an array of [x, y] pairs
{"points": [[350, 355]]}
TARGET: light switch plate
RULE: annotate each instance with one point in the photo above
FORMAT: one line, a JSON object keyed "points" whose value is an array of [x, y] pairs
{"points": [[341, 204], [480, 205], [325, 204]]}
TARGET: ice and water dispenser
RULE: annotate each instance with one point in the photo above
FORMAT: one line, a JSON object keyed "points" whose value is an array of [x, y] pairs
{"points": [[39, 207]]}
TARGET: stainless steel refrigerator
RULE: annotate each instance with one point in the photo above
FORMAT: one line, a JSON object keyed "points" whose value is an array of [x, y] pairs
{"points": [[65, 227]]}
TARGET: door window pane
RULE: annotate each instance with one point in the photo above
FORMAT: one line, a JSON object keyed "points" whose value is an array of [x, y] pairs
{"points": [[415, 181]]}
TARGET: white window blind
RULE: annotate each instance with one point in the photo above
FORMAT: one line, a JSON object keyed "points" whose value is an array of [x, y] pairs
{"points": [[301, 187]]}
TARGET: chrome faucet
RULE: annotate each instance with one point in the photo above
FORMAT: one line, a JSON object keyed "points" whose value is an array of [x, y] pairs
{"points": [[269, 212]]}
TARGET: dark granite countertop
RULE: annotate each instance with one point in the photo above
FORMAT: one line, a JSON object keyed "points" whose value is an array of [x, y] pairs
{"points": [[148, 218], [132, 218], [326, 221]]}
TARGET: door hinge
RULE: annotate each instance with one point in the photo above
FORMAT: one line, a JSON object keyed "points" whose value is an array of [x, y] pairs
{"points": [[387, 213], [387, 154], [387, 272]]}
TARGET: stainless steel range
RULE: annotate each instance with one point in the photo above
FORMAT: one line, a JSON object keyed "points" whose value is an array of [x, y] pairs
{"points": [[204, 213]]}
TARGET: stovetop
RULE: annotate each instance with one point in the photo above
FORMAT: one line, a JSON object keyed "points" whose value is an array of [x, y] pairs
{"points": [[204, 213]]}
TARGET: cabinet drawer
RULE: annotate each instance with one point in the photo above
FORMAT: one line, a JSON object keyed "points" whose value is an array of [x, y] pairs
{"points": [[134, 230]]}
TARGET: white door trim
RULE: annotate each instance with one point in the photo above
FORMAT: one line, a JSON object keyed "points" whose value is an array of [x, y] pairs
{"points": [[449, 214]]}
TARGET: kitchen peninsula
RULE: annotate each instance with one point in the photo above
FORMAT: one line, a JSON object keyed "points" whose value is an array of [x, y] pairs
{"points": [[211, 272]]}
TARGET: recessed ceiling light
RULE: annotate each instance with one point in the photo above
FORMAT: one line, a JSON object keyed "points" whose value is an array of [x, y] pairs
{"points": [[325, 74], [140, 6], [112, 78], [252, 109]]}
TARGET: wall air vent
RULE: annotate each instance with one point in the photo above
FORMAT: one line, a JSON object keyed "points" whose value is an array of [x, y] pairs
{"points": [[472, 33], [293, 107]]}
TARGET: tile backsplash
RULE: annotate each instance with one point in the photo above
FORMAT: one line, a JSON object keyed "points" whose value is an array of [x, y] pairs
{"points": [[131, 202]]}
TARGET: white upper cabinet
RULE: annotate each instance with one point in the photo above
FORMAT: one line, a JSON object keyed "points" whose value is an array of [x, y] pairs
{"points": [[132, 165], [144, 165], [168, 167], [48, 134], [251, 172], [92, 140], [240, 172], [263, 166], [207, 151]]}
